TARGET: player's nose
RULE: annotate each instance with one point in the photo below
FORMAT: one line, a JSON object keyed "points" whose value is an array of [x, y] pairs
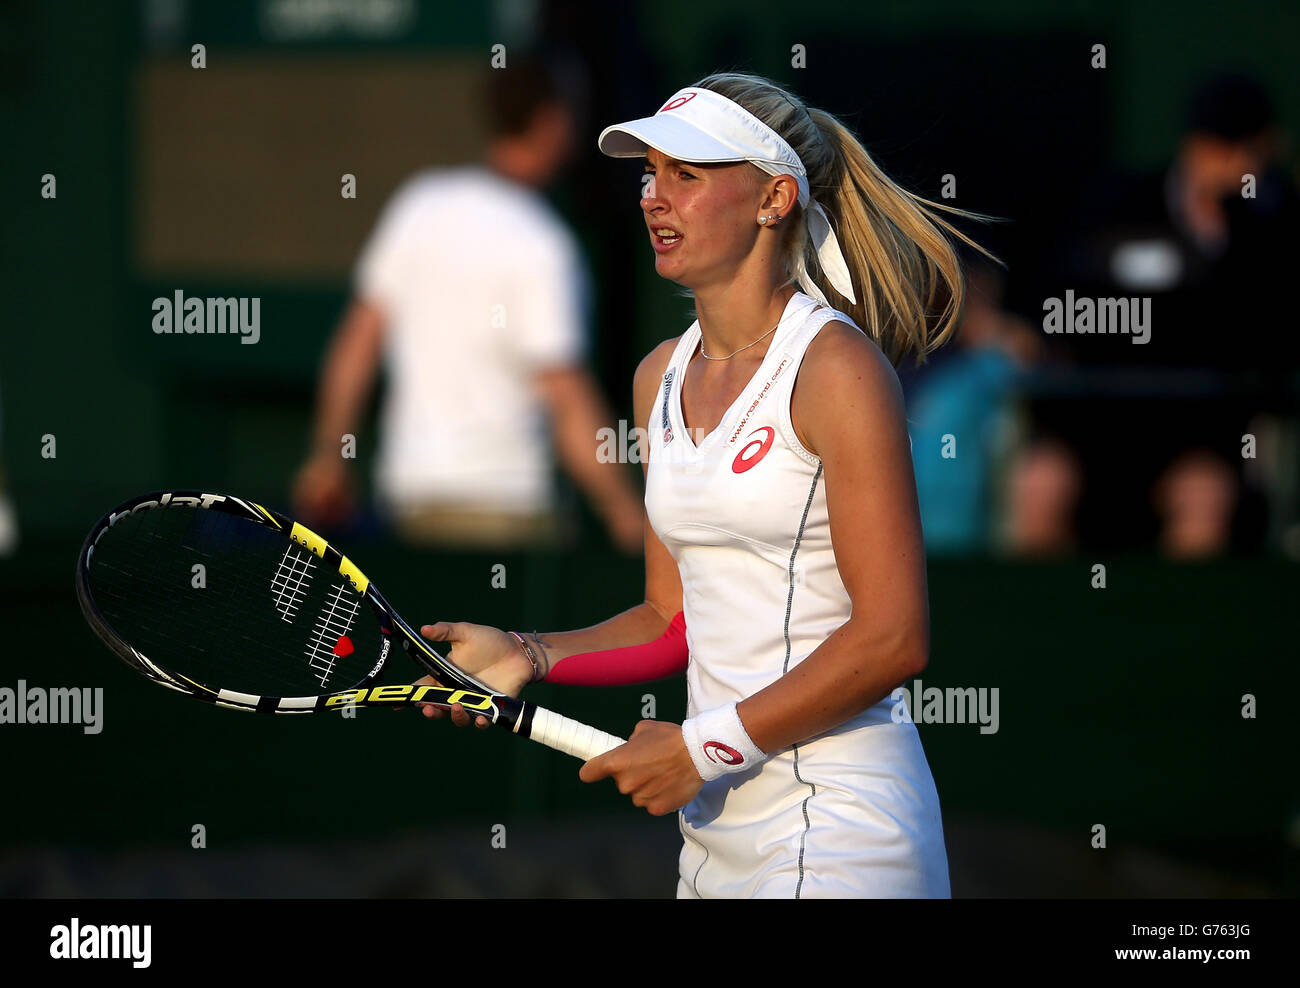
{"points": [[648, 193]]}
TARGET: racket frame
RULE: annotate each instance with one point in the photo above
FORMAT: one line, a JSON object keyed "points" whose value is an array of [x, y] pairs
{"points": [[455, 685]]}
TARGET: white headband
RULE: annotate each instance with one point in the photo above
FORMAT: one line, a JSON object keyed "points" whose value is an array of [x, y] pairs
{"points": [[702, 126]]}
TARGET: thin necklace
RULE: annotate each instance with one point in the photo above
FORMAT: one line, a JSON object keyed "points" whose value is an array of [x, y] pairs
{"points": [[734, 352]]}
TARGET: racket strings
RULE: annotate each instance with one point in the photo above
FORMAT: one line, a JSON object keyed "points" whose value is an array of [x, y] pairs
{"points": [[331, 630], [291, 578], [261, 620]]}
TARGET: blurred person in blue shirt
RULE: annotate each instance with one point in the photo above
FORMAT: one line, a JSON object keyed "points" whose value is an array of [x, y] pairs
{"points": [[956, 414]]}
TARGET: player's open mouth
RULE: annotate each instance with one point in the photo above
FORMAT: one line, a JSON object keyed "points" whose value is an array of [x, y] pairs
{"points": [[665, 237]]}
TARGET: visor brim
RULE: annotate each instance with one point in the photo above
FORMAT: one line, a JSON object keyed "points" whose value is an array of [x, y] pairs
{"points": [[668, 135]]}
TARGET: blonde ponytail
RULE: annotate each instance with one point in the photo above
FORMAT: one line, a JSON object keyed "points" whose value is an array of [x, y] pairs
{"points": [[906, 273]]}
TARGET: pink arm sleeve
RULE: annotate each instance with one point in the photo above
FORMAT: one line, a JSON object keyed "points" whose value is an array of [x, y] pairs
{"points": [[665, 656]]}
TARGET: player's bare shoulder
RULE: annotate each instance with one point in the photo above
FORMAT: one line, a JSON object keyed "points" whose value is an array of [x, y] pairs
{"points": [[843, 369]]}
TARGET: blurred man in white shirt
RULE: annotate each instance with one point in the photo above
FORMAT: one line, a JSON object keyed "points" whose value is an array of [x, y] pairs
{"points": [[474, 293]]}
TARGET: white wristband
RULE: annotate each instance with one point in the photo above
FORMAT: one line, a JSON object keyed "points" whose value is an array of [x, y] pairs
{"points": [[719, 743]]}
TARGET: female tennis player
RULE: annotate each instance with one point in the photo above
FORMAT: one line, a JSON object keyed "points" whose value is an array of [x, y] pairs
{"points": [[785, 571]]}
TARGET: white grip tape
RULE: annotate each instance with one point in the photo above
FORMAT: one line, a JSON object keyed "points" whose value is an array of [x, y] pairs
{"points": [[569, 736]]}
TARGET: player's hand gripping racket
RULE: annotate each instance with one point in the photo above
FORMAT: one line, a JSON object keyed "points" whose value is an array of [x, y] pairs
{"points": [[277, 620]]}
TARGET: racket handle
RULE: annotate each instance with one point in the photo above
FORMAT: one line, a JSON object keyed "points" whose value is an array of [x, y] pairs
{"points": [[570, 736]]}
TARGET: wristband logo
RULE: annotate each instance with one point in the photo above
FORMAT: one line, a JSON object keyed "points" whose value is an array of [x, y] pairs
{"points": [[716, 751], [744, 462]]}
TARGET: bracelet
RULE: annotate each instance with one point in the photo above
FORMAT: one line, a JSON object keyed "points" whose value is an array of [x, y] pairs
{"points": [[532, 656], [719, 744]]}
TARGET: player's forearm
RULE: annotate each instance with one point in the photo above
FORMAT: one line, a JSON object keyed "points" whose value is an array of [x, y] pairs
{"points": [[636, 626], [854, 669]]}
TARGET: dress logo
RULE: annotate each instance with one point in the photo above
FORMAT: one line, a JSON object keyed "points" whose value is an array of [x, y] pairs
{"points": [[754, 450]]}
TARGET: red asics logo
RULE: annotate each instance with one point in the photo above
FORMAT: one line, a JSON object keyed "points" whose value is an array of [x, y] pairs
{"points": [[679, 101], [753, 451], [719, 752]]}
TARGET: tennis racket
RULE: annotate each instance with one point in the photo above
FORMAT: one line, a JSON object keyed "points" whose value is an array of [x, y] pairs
{"points": [[276, 620]]}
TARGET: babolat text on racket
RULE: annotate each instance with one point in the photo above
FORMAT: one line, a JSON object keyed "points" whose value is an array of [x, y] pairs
{"points": [[276, 621]]}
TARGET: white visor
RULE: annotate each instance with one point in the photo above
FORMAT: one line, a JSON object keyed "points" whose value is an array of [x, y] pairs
{"points": [[702, 126], [699, 125]]}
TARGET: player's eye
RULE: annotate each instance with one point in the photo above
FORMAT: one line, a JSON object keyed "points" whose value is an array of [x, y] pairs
{"points": [[648, 180], [681, 173]]}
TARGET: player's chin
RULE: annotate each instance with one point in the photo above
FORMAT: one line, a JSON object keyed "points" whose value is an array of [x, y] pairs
{"points": [[669, 260]]}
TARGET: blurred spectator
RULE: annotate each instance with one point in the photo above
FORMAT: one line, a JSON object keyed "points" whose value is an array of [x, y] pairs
{"points": [[1044, 483], [1193, 500], [475, 293], [1211, 257], [1191, 238], [961, 392]]}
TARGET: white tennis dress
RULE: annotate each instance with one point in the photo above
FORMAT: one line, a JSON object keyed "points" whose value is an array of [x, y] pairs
{"points": [[853, 811]]}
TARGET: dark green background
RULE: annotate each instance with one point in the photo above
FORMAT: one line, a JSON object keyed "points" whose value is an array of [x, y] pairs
{"points": [[1118, 707]]}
